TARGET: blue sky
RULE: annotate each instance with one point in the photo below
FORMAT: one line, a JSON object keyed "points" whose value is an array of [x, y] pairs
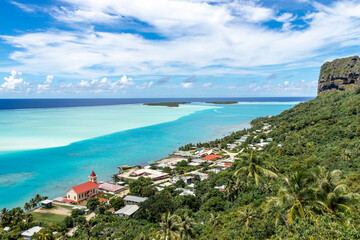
{"points": [[171, 48]]}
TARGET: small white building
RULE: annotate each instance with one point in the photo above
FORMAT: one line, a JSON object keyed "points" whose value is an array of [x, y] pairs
{"points": [[129, 199], [127, 211], [30, 232]]}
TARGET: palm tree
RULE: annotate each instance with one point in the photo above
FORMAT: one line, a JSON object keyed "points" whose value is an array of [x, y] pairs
{"points": [[246, 215], [169, 227], [38, 199], [33, 203], [28, 218], [4, 217], [214, 219], [253, 167], [332, 194], [43, 235], [296, 198], [27, 206], [187, 227], [16, 215]]}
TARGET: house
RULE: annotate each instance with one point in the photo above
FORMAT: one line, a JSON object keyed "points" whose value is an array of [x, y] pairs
{"points": [[129, 199], [155, 175], [84, 191], [212, 157], [187, 192], [30, 232], [183, 154], [127, 211], [7, 229], [46, 203], [221, 188], [186, 179], [110, 188]]}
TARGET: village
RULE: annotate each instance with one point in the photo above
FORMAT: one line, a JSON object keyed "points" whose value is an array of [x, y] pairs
{"points": [[178, 171]]}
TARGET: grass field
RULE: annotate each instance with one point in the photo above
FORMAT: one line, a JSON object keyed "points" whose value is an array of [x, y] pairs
{"points": [[48, 217]]}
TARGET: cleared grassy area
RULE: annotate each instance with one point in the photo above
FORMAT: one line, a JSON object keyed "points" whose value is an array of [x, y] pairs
{"points": [[48, 218]]}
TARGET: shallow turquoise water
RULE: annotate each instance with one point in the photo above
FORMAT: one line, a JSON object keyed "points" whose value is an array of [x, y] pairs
{"points": [[52, 171]]}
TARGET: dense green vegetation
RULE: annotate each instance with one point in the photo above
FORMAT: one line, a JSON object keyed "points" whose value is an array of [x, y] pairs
{"points": [[303, 185], [226, 102], [166, 104]]}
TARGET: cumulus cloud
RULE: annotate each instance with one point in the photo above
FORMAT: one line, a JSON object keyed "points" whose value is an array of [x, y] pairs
{"points": [[14, 83], [199, 37], [45, 86], [97, 86], [186, 84], [145, 85]]}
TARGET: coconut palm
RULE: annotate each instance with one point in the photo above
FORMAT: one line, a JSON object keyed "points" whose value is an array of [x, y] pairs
{"points": [[169, 227], [28, 218], [332, 194], [27, 206], [296, 198], [16, 215], [5, 218], [43, 235], [246, 215], [33, 203], [187, 227], [38, 199], [253, 166]]}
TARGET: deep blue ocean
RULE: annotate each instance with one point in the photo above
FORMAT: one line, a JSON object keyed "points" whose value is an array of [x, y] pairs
{"points": [[52, 171], [82, 102]]}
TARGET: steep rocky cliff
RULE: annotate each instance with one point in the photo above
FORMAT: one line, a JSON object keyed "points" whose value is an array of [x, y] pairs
{"points": [[340, 74]]}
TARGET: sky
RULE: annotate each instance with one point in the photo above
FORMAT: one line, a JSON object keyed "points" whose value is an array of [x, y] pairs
{"points": [[171, 48]]}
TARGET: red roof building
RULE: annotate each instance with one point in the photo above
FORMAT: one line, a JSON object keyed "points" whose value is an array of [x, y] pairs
{"points": [[84, 191], [85, 187], [212, 157]]}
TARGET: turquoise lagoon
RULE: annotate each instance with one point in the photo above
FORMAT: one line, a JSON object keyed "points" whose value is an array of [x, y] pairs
{"points": [[46, 151]]}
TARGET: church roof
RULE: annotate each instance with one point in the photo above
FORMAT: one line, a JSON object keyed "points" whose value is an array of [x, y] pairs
{"points": [[84, 187], [92, 174]]}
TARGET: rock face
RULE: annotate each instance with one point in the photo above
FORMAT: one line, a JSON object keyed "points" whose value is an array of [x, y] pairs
{"points": [[341, 74]]}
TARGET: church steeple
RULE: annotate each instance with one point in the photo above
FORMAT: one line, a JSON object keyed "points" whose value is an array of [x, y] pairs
{"points": [[93, 177]]}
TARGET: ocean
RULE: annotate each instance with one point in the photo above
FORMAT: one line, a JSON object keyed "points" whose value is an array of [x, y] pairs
{"points": [[49, 145]]}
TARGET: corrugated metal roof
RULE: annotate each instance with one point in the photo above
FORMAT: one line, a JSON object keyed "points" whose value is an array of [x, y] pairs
{"points": [[128, 210], [134, 198]]}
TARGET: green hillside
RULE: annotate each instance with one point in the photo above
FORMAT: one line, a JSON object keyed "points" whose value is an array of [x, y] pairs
{"points": [[302, 184]]}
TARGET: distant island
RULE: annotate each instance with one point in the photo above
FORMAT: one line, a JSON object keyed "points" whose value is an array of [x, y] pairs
{"points": [[228, 102], [166, 104]]}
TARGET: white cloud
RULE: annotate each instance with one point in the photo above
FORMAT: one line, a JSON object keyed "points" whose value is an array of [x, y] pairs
{"points": [[97, 86], [186, 84], [197, 37], [209, 84], [145, 85], [45, 86], [14, 83]]}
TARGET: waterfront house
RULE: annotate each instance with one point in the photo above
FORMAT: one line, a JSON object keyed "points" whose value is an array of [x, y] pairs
{"points": [[84, 191], [110, 188], [127, 211], [30, 232], [46, 204], [129, 199], [155, 175]]}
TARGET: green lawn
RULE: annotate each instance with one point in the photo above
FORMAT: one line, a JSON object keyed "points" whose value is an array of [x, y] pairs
{"points": [[48, 217]]}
